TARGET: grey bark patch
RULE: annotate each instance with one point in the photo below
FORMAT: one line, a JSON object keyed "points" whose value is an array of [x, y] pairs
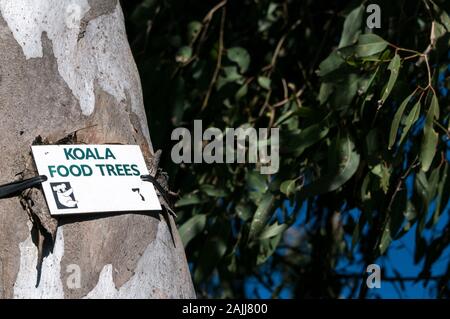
{"points": [[165, 264], [109, 124], [27, 104], [100, 7], [33, 201], [97, 8], [91, 244], [13, 230]]}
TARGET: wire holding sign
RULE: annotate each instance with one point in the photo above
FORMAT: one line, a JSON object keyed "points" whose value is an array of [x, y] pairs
{"points": [[15, 188]]}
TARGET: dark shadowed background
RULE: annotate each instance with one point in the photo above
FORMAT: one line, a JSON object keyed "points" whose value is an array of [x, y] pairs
{"points": [[363, 117]]}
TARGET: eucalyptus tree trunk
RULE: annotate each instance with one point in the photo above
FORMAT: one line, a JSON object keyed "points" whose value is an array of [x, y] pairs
{"points": [[65, 67]]}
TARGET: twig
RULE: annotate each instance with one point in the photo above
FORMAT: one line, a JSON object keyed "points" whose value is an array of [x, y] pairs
{"points": [[442, 128], [287, 99], [219, 60], [430, 86], [206, 22], [211, 12], [269, 68], [200, 36]]}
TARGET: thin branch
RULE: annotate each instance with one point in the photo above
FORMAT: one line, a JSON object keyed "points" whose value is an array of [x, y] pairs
{"points": [[269, 68], [439, 125], [219, 61], [286, 100], [199, 38], [429, 74]]}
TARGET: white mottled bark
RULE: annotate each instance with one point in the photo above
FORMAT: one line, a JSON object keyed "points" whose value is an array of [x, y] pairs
{"points": [[65, 66]]}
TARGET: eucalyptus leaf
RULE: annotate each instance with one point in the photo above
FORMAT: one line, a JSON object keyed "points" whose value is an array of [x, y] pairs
{"points": [[441, 25], [412, 117], [213, 190], [288, 187], [325, 91], [394, 67], [264, 82], [189, 199], [368, 44], [443, 191], [352, 27], [244, 212], [306, 138], [421, 187], [356, 235], [273, 230], [213, 250], [256, 184], [333, 62], [240, 56], [184, 54], [261, 216], [191, 228], [384, 173], [347, 158], [396, 214], [231, 73], [241, 92], [396, 121], [267, 247], [385, 241], [193, 30], [395, 218], [430, 136]]}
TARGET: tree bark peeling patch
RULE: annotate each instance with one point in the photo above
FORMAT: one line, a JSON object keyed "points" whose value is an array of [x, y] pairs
{"points": [[156, 283], [119, 240], [99, 56], [100, 7], [50, 286], [34, 99]]}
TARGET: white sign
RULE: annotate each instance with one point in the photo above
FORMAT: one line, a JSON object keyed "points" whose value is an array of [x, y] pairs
{"points": [[94, 178]]}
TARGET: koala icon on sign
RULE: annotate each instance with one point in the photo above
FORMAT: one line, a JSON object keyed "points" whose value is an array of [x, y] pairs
{"points": [[63, 194]]}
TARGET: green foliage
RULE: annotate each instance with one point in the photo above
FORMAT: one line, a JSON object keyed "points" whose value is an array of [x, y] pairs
{"points": [[396, 121], [349, 105], [191, 228], [352, 27], [343, 163], [412, 117], [262, 215], [394, 67], [240, 56], [430, 136]]}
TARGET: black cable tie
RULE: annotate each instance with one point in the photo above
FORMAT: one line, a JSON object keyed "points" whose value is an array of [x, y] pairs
{"points": [[164, 193], [16, 188], [151, 179]]}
